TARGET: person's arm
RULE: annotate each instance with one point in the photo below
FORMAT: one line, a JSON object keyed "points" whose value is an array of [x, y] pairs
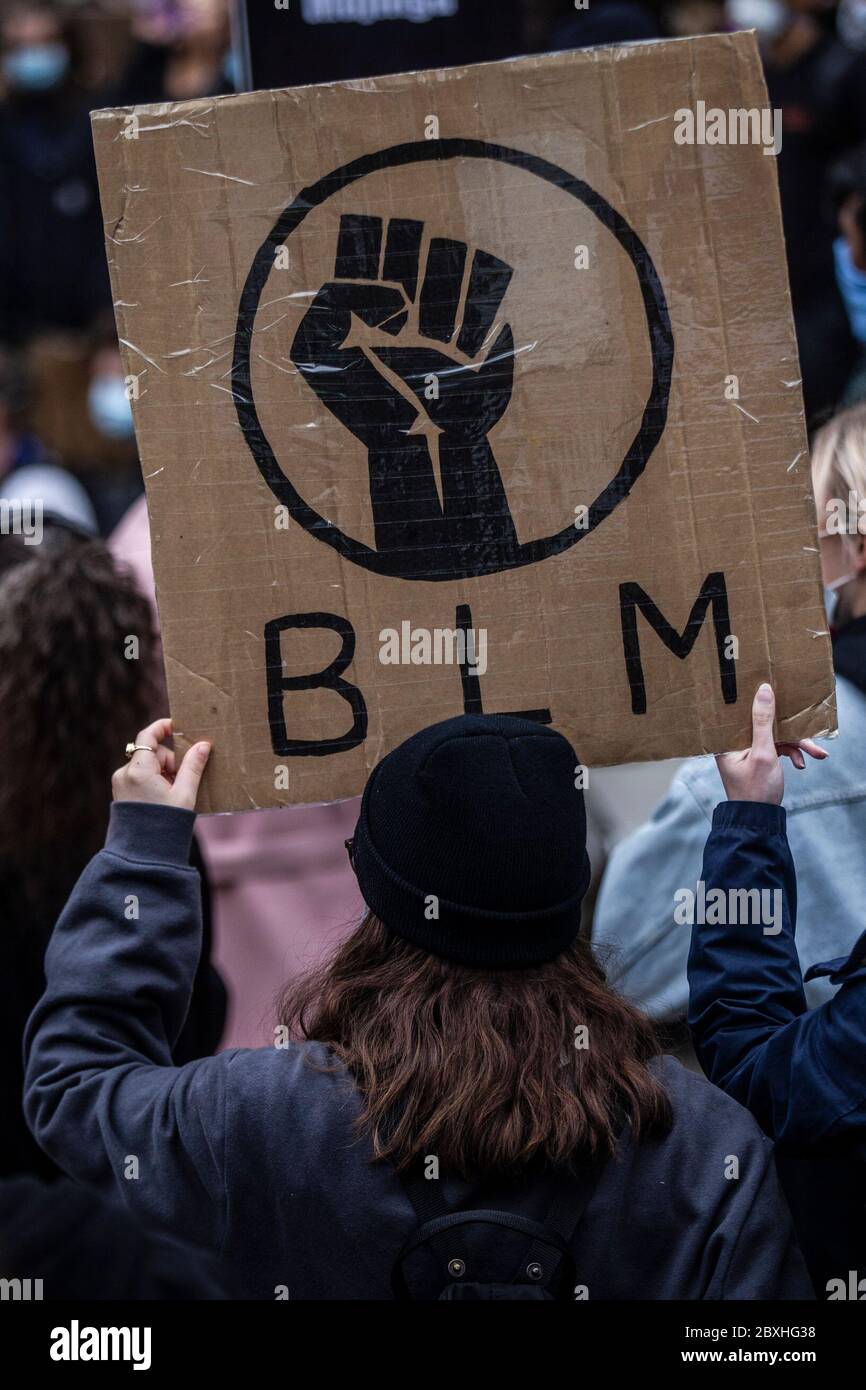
{"points": [[101, 1094], [795, 1070], [745, 984]]}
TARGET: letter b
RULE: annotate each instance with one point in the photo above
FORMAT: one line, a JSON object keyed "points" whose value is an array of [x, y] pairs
{"points": [[330, 678]]}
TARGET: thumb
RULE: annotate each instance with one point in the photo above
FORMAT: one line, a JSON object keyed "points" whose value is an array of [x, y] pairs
{"points": [[189, 775], [763, 717]]}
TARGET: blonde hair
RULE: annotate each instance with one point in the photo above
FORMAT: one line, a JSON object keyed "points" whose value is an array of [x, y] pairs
{"points": [[839, 457]]}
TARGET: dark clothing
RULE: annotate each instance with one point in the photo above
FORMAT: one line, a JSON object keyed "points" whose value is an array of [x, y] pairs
{"points": [[606, 21], [24, 933], [849, 652], [53, 271], [145, 77], [257, 1154], [821, 97], [482, 810], [304, 43], [799, 1072], [82, 1246]]}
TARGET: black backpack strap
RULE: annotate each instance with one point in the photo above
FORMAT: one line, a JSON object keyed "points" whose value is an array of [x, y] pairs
{"points": [[425, 1194], [574, 1191], [541, 1264], [428, 1199]]}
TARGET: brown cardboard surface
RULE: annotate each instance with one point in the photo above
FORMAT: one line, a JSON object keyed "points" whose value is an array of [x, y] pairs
{"points": [[297, 466]]}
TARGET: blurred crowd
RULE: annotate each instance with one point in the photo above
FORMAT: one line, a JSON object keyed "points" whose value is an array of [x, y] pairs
{"points": [[62, 394], [66, 435]]}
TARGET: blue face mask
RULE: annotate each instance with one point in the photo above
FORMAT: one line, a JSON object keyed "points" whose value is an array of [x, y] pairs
{"points": [[232, 69], [36, 68], [852, 287], [109, 407]]}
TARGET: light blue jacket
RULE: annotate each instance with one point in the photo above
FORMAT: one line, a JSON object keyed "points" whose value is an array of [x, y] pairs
{"points": [[641, 946]]}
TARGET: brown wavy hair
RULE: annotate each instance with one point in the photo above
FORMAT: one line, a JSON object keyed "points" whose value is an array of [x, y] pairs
{"points": [[481, 1067], [69, 701]]}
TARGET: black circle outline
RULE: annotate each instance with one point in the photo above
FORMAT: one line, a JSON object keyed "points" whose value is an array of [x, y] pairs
{"points": [[654, 415]]}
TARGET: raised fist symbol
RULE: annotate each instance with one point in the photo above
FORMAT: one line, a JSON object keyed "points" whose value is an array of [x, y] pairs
{"points": [[422, 412]]}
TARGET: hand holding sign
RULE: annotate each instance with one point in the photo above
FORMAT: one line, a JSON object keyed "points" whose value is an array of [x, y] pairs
{"points": [[756, 774], [153, 774]]}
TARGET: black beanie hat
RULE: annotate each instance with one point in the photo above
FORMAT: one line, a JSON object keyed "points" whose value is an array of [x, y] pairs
{"points": [[479, 819]]}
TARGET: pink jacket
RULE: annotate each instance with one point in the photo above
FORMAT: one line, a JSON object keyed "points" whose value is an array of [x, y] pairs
{"points": [[283, 891]]}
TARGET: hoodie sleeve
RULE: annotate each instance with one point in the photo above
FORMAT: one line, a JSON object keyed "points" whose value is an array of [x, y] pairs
{"points": [[795, 1070], [101, 1094]]}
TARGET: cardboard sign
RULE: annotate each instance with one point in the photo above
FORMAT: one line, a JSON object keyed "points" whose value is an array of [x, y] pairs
{"points": [[473, 389]]}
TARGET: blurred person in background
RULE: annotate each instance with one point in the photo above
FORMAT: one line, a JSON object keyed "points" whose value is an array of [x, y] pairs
{"points": [[52, 493], [181, 52], [19, 446], [848, 193], [108, 401], [53, 272], [605, 21], [115, 482], [826, 818], [819, 84], [67, 617], [684, 18]]}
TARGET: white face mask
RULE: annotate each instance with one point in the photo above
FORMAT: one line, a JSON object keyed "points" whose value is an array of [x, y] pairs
{"points": [[851, 23], [769, 17]]}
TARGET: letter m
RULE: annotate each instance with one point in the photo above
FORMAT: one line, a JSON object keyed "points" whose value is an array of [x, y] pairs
{"points": [[744, 127], [714, 596]]}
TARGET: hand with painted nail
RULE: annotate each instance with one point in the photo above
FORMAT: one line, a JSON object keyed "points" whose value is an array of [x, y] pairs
{"points": [[756, 774]]}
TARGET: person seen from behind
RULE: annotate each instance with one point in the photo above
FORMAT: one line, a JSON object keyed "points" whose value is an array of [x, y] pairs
{"points": [[457, 1105]]}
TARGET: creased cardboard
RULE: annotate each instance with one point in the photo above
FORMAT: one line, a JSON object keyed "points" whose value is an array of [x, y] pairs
{"points": [[478, 351]]}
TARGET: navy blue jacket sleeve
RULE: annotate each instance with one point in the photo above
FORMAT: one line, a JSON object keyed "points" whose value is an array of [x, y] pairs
{"points": [[796, 1070], [101, 1094]]}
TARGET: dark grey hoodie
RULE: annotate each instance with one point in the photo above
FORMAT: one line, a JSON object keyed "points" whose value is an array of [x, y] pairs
{"points": [[254, 1154]]}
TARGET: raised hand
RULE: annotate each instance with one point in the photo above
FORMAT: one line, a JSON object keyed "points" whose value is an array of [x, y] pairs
{"points": [[756, 774], [422, 412], [153, 773]]}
